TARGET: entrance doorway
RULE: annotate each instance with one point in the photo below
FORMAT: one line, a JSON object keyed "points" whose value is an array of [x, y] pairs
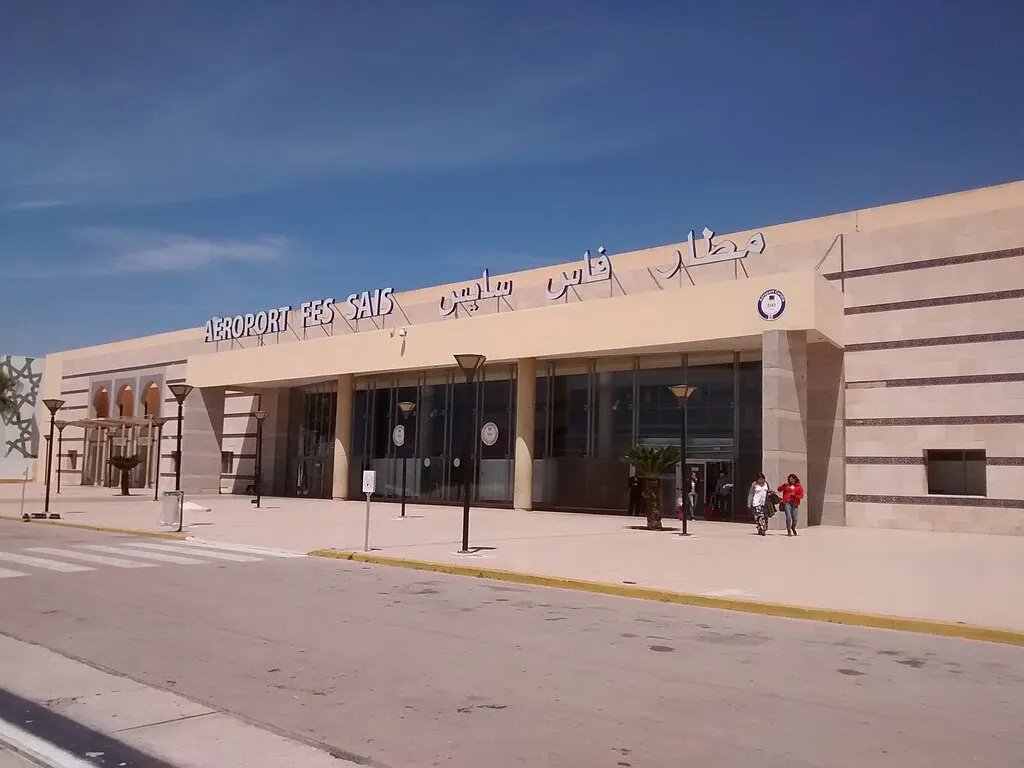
{"points": [[715, 500]]}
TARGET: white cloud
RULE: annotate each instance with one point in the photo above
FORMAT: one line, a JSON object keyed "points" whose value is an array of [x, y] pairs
{"points": [[143, 251], [32, 205]]}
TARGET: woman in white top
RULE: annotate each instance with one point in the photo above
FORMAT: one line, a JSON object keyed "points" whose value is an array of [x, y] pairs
{"points": [[757, 499]]}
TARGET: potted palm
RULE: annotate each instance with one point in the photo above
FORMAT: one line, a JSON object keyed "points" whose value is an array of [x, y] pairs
{"points": [[650, 463], [125, 465]]}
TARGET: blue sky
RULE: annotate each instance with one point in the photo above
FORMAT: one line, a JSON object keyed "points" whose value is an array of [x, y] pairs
{"points": [[163, 162]]}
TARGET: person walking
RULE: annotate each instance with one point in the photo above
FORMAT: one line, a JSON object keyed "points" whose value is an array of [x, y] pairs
{"points": [[691, 497], [757, 500], [792, 494]]}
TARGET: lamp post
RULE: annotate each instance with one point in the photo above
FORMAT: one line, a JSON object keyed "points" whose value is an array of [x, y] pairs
{"points": [[405, 408], [60, 424], [180, 392], [259, 416], [54, 405], [682, 393], [469, 364], [158, 422]]}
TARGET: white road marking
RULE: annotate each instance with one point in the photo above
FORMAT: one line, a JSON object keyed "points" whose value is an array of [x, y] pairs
{"points": [[185, 549], [38, 562], [40, 751], [246, 548], [6, 574], [145, 555], [91, 558]]}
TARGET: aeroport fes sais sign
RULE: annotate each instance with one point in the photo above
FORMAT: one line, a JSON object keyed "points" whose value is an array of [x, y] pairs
{"points": [[375, 303], [379, 302]]}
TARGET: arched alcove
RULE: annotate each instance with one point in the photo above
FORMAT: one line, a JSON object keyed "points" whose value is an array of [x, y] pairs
{"points": [[151, 400], [126, 402], [101, 403]]}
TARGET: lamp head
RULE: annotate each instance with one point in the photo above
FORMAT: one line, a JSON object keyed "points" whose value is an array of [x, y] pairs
{"points": [[260, 415], [470, 364], [180, 391], [54, 404], [682, 391], [406, 407]]}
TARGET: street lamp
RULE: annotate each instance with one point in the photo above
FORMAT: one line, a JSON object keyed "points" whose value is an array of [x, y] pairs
{"points": [[180, 392], [54, 405], [405, 408], [60, 424], [259, 416], [159, 422], [469, 364], [682, 393]]}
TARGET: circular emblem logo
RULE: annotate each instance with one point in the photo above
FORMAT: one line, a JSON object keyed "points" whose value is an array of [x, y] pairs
{"points": [[772, 304], [399, 435], [489, 434]]}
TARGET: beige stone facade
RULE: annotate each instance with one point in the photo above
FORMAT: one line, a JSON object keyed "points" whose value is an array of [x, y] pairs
{"points": [[902, 336]]}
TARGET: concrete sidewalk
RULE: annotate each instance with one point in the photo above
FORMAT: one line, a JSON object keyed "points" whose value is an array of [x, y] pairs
{"points": [[952, 577]]}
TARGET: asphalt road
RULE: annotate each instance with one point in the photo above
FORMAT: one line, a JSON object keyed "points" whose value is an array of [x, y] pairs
{"points": [[416, 669]]}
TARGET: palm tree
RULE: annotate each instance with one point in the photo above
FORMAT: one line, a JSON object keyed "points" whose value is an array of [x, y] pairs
{"points": [[125, 464], [650, 463], [8, 389]]}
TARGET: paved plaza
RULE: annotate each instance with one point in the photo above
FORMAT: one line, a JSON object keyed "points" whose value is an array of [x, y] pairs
{"points": [[970, 578]]}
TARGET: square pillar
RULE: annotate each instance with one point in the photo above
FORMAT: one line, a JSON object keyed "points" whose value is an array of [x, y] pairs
{"points": [[784, 411], [526, 411], [342, 437], [276, 403], [202, 430], [826, 436]]}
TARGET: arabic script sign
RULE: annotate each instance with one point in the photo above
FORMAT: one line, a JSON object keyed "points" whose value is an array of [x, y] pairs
{"points": [[470, 295], [592, 271], [713, 254]]}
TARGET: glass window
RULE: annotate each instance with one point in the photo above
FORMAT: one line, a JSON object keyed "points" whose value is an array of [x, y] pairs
{"points": [[570, 407], [658, 408], [956, 473], [613, 414]]}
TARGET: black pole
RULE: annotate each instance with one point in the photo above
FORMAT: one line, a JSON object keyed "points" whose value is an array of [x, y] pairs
{"points": [[683, 478], [159, 452], [49, 462], [465, 465], [177, 469], [60, 451], [259, 459], [405, 464], [177, 462]]}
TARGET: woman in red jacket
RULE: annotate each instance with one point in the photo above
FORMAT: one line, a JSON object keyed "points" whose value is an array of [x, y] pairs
{"points": [[792, 494]]}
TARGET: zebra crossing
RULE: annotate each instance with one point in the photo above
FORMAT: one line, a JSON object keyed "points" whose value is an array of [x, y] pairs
{"points": [[78, 558]]}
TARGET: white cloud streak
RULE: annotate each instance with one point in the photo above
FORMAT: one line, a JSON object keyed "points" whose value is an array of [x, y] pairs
{"points": [[133, 251]]}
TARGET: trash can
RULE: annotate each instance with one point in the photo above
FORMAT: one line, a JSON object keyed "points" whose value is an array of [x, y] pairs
{"points": [[170, 509]]}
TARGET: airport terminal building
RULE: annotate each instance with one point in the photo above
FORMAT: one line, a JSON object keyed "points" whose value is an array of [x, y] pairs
{"points": [[877, 354]]}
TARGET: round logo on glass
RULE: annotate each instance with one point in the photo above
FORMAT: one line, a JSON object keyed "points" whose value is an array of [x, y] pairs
{"points": [[399, 435], [489, 434], [771, 305]]}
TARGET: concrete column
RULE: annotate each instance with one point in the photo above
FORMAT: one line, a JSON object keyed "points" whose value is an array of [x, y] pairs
{"points": [[826, 436], [276, 403], [784, 409], [342, 437], [526, 411], [202, 432]]}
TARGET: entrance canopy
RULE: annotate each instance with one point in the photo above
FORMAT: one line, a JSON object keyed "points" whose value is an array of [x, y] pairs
{"points": [[726, 314]]}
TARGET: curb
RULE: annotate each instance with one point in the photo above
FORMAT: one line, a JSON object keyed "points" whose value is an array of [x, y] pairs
{"points": [[103, 529], [779, 610]]}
